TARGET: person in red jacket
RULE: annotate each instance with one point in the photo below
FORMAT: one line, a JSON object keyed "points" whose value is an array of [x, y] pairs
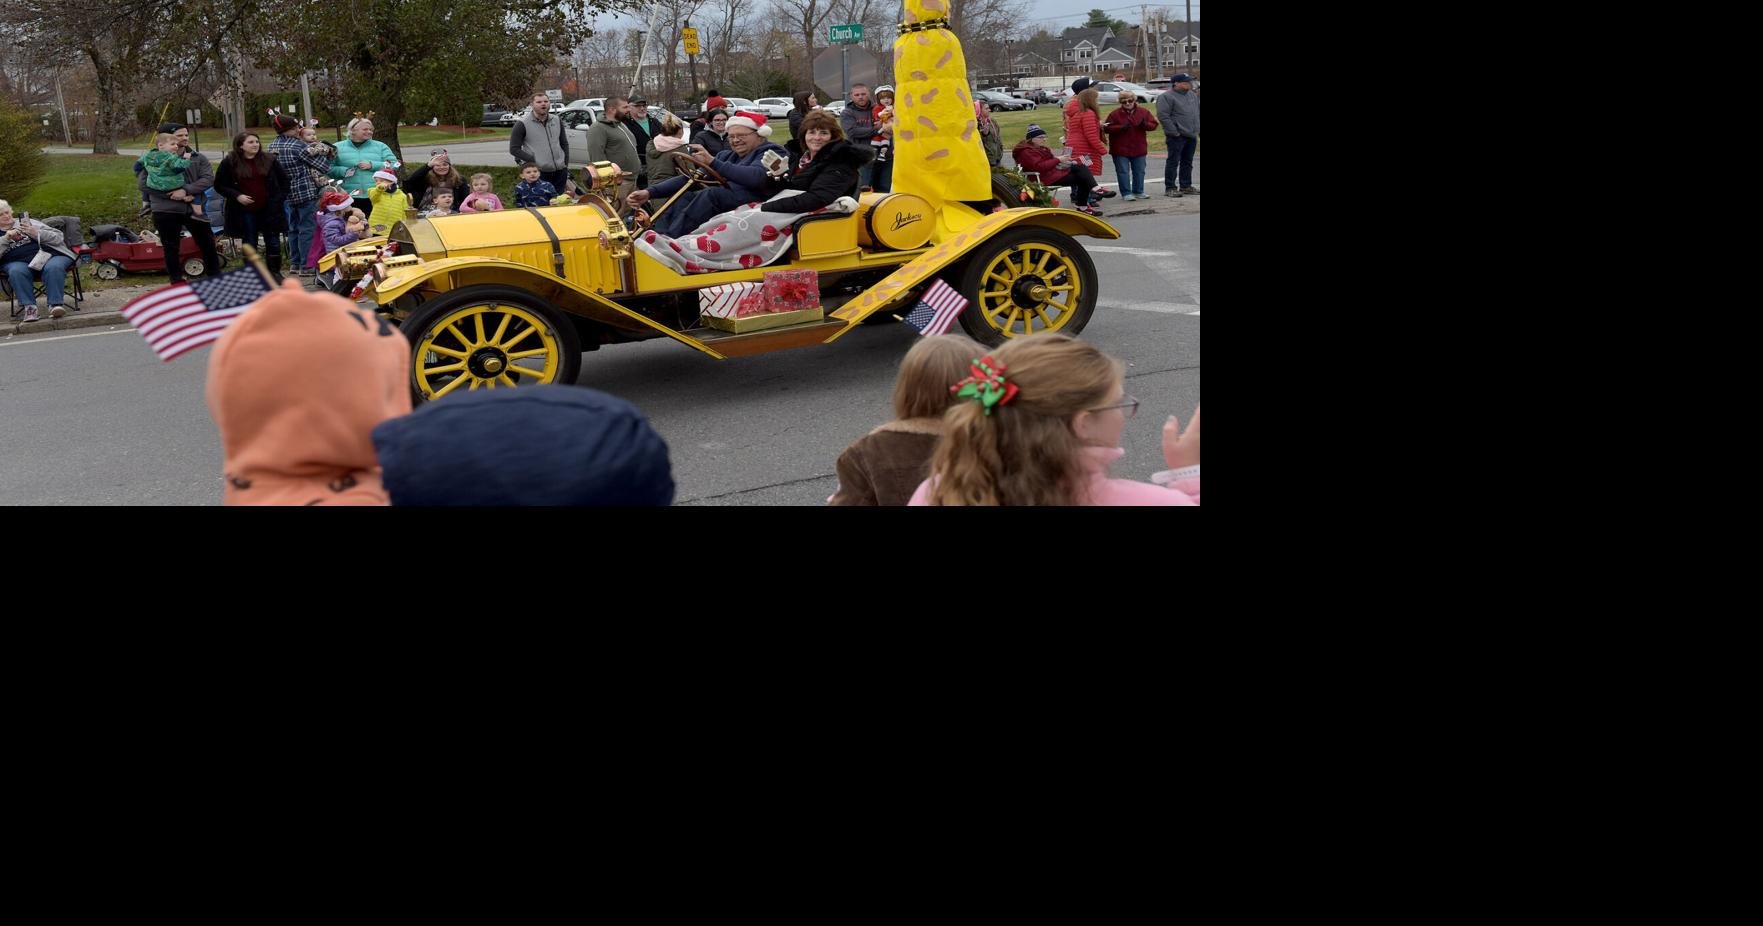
{"points": [[1032, 153], [1083, 132], [1126, 128]]}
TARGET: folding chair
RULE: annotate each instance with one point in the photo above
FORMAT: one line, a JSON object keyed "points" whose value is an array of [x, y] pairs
{"points": [[69, 226]]}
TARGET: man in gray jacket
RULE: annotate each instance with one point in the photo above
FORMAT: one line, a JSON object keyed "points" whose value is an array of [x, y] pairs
{"points": [[538, 137], [858, 121], [1178, 109], [172, 213], [610, 140]]}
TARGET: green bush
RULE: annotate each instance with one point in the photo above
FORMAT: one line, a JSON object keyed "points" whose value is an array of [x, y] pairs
{"points": [[22, 162]]}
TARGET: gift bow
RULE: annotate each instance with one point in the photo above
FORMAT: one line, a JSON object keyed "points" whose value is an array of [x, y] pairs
{"points": [[987, 385]]}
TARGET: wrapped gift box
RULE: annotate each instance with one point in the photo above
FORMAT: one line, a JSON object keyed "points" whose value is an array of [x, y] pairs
{"points": [[725, 301], [791, 290], [763, 320]]}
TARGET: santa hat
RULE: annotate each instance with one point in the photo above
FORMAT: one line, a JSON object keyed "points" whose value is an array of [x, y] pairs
{"points": [[385, 175], [754, 121], [334, 201]]}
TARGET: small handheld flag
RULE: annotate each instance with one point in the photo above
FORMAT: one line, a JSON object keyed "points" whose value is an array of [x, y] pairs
{"points": [[937, 309], [181, 317]]}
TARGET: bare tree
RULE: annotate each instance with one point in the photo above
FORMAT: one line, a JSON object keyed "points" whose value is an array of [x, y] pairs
{"points": [[730, 26], [805, 18]]}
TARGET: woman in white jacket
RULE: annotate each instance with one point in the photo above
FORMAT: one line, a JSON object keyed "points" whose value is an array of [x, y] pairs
{"points": [[28, 247]]}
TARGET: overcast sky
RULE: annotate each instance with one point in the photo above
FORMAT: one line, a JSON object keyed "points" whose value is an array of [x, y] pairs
{"points": [[1055, 14]]}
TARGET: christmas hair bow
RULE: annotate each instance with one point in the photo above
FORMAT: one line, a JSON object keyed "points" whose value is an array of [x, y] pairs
{"points": [[987, 385]]}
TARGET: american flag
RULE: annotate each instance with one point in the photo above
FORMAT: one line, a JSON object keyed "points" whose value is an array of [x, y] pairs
{"points": [[184, 316], [936, 309]]}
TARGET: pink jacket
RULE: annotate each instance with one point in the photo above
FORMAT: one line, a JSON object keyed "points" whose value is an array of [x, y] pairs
{"points": [[1102, 490], [481, 202]]}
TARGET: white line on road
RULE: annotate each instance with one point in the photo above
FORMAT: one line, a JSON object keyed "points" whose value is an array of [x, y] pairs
{"points": [[1142, 252], [1167, 308], [62, 337]]}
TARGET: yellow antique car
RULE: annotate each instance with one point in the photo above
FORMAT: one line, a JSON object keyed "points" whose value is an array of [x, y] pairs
{"points": [[513, 297]]}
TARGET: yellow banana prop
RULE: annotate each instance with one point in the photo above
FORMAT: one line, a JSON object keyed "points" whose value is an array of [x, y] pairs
{"points": [[937, 151]]}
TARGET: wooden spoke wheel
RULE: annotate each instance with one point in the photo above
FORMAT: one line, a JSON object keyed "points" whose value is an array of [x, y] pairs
{"points": [[489, 337], [1027, 281]]}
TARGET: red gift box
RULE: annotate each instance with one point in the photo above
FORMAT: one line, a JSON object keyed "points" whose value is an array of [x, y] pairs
{"points": [[791, 290]]}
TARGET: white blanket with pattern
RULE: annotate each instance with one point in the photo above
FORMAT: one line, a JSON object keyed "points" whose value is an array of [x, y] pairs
{"points": [[742, 238]]}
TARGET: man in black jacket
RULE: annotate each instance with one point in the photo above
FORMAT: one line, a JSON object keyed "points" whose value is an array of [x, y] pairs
{"points": [[643, 128]]}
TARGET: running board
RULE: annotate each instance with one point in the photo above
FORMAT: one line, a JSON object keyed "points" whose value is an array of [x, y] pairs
{"points": [[729, 344]]}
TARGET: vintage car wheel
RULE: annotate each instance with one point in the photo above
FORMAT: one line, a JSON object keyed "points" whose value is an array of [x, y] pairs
{"points": [[482, 337], [107, 271], [1027, 281]]}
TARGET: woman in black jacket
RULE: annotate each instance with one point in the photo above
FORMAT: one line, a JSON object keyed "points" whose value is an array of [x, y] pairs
{"points": [[825, 170], [805, 104], [439, 173], [714, 136], [255, 191]]}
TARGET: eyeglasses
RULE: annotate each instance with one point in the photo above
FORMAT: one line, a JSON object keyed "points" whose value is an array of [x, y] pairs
{"points": [[1128, 405]]}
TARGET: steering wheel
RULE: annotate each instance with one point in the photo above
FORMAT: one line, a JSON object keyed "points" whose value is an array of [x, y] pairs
{"points": [[696, 171]]}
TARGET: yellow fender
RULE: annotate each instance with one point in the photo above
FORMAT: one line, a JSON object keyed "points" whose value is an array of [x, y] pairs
{"points": [[894, 289], [564, 294]]}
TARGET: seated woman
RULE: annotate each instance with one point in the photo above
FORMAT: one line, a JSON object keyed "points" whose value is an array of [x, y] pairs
{"points": [[822, 178], [825, 170]]}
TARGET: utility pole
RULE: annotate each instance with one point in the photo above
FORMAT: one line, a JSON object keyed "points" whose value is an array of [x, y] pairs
{"points": [[61, 104], [1144, 40], [305, 101], [1187, 26]]}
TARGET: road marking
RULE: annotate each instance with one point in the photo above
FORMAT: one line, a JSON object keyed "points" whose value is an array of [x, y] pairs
{"points": [[1167, 308], [64, 337], [1142, 252]]}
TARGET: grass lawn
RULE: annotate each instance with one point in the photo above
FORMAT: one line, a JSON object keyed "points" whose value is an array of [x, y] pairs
{"points": [[1013, 127], [99, 188]]}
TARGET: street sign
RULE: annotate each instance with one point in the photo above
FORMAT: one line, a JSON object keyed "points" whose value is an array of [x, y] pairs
{"points": [[690, 35], [849, 32], [191, 116]]}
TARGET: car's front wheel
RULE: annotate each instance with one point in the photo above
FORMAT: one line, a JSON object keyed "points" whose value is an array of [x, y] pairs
{"points": [[1027, 281], [482, 337]]}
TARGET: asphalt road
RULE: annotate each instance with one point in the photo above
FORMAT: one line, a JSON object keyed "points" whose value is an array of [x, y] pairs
{"points": [[92, 417]]}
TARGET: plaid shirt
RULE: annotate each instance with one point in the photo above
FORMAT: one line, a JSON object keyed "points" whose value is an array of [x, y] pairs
{"points": [[290, 153]]}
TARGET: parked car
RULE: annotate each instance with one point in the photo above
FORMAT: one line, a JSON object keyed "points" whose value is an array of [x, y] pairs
{"points": [[576, 120], [774, 106], [1035, 95], [1109, 91], [998, 102], [492, 115], [739, 102], [835, 107], [593, 102]]}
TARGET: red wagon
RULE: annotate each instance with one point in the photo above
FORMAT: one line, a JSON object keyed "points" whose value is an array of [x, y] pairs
{"points": [[111, 258]]}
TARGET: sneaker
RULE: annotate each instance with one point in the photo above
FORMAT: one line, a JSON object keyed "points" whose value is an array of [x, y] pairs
{"points": [[1172, 193], [1106, 194], [1189, 189], [56, 311], [30, 315]]}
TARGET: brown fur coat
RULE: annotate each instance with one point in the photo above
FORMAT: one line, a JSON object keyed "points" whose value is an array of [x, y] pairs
{"points": [[885, 466]]}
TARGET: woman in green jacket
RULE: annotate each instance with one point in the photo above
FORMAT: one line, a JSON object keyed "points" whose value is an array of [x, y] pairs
{"points": [[358, 156]]}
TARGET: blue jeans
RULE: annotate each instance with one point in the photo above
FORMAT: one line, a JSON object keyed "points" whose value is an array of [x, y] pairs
{"points": [[302, 222], [882, 177], [22, 278], [1130, 171], [1181, 151]]}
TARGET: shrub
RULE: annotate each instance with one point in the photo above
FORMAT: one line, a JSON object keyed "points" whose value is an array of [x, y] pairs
{"points": [[22, 163]]}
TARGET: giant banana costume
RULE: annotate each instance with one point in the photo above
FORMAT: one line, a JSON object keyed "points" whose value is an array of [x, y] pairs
{"points": [[937, 153]]}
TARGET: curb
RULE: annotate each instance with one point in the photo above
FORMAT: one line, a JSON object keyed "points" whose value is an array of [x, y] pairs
{"points": [[73, 320]]}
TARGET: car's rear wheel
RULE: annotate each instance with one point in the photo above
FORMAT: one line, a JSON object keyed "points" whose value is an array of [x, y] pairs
{"points": [[1027, 281], [485, 337], [107, 271]]}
